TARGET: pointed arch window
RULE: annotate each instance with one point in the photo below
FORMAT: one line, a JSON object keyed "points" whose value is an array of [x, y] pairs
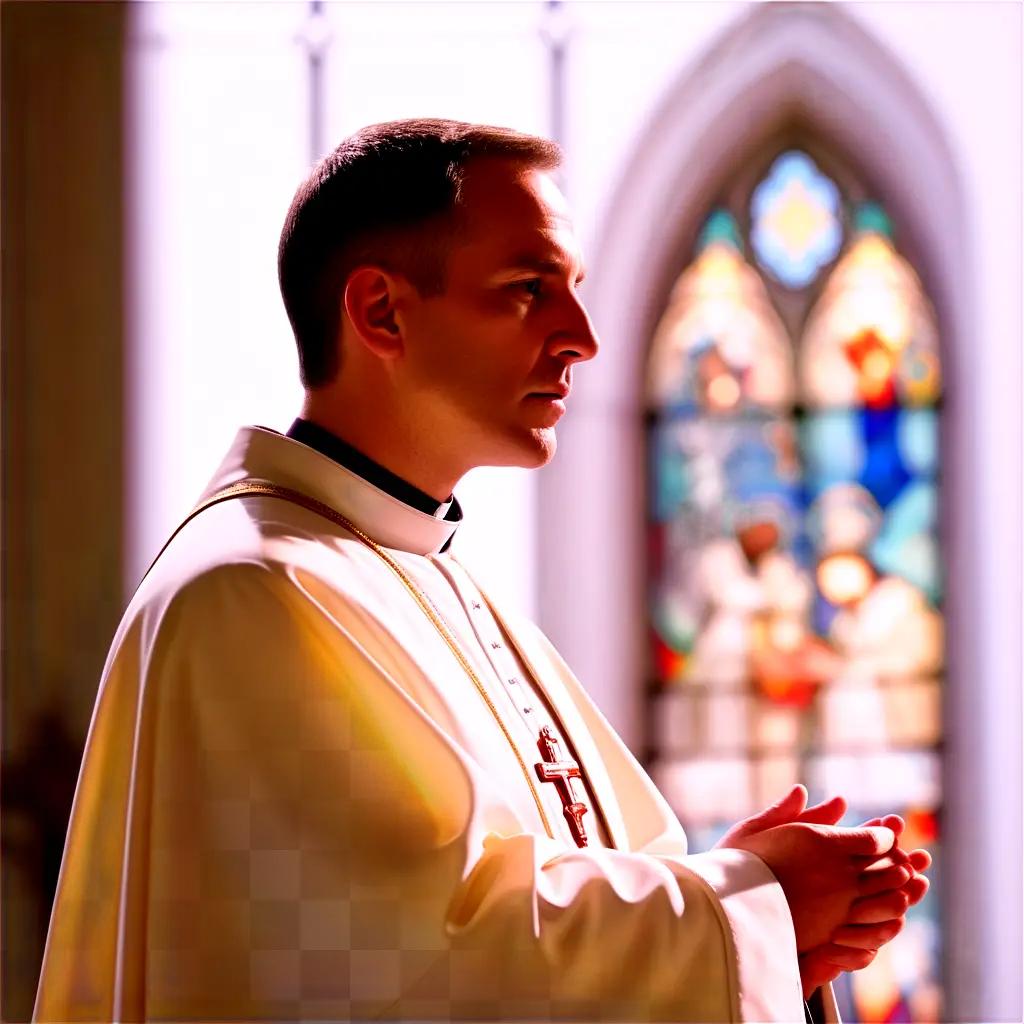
{"points": [[795, 590]]}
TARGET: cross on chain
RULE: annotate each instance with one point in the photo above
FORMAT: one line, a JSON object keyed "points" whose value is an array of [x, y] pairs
{"points": [[561, 773]]}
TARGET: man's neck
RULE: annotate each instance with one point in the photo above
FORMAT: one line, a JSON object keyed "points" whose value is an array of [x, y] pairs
{"points": [[386, 439], [327, 443]]}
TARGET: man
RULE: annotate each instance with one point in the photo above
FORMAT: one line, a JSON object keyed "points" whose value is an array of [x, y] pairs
{"points": [[327, 777]]}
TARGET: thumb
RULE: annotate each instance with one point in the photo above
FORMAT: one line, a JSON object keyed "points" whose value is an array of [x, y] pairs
{"points": [[782, 812], [828, 813]]}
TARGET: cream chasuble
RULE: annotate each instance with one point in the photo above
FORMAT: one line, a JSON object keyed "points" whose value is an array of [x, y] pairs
{"points": [[296, 803]]}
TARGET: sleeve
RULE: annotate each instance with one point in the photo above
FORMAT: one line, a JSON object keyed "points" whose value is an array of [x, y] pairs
{"points": [[296, 839], [750, 900]]}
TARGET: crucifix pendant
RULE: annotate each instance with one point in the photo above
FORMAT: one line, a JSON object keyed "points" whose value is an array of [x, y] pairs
{"points": [[561, 773]]}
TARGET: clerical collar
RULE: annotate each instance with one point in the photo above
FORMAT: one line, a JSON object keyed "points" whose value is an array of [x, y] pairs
{"points": [[259, 453], [317, 437]]}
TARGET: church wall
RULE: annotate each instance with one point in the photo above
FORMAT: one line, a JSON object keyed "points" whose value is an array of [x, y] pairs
{"points": [[218, 125]]}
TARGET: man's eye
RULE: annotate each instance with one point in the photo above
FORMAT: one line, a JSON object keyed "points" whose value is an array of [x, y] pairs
{"points": [[532, 286]]}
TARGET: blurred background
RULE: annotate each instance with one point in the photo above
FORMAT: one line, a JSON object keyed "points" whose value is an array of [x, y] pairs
{"points": [[781, 539]]}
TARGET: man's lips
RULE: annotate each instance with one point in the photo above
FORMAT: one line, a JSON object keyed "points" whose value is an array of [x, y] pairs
{"points": [[560, 391]]}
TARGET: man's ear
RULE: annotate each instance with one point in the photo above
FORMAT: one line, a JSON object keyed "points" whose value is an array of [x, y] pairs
{"points": [[371, 299]]}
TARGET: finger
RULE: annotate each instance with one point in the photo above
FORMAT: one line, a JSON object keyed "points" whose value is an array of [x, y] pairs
{"points": [[915, 889], [845, 957], [920, 860], [870, 841], [867, 936], [894, 856], [885, 906], [828, 813], [889, 876], [893, 821]]}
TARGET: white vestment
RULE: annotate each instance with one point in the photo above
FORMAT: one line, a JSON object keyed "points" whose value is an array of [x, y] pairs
{"points": [[296, 804]]}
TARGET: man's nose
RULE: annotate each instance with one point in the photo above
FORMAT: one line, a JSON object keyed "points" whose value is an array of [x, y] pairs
{"points": [[578, 340]]}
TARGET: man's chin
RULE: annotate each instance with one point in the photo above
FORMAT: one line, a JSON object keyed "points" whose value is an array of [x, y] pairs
{"points": [[543, 448], [529, 451]]}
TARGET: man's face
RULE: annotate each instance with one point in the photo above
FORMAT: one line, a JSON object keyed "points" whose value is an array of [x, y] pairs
{"points": [[488, 364]]}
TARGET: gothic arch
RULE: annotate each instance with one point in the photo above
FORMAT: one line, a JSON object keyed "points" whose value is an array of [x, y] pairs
{"points": [[814, 63]]}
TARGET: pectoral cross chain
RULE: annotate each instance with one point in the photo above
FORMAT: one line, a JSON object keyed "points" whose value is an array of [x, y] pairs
{"points": [[561, 773]]}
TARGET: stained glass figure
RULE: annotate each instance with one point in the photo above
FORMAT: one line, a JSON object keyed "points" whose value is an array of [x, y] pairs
{"points": [[796, 224], [871, 340], [722, 348], [795, 573]]}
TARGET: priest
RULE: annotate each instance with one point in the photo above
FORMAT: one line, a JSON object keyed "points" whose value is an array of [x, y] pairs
{"points": [[328, 776]]}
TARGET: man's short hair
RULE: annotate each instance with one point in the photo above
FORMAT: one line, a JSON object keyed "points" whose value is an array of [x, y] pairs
{"points": [[388, 195]]}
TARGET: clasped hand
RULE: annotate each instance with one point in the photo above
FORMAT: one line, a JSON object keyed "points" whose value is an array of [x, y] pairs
{"points": [[848, 889]]}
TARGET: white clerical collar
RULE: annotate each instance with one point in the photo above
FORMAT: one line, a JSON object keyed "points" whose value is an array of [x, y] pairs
{"points": [[267, 455]]}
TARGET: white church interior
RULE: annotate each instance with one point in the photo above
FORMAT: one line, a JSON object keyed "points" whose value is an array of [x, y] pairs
{"points": [[781, 538]]}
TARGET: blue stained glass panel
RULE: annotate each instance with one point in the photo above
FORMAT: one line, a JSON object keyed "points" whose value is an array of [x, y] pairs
{"points": [[884, 474], [918, 434], [912, 514], [670, 482], [884, 450], [833, 447], [824, 613]]}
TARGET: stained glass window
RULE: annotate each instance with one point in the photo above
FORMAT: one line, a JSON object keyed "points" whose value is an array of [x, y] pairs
{"points": [[795, 580]]}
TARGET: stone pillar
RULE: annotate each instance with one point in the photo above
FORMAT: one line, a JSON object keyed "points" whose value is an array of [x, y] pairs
{"points": [[61, 432]]}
